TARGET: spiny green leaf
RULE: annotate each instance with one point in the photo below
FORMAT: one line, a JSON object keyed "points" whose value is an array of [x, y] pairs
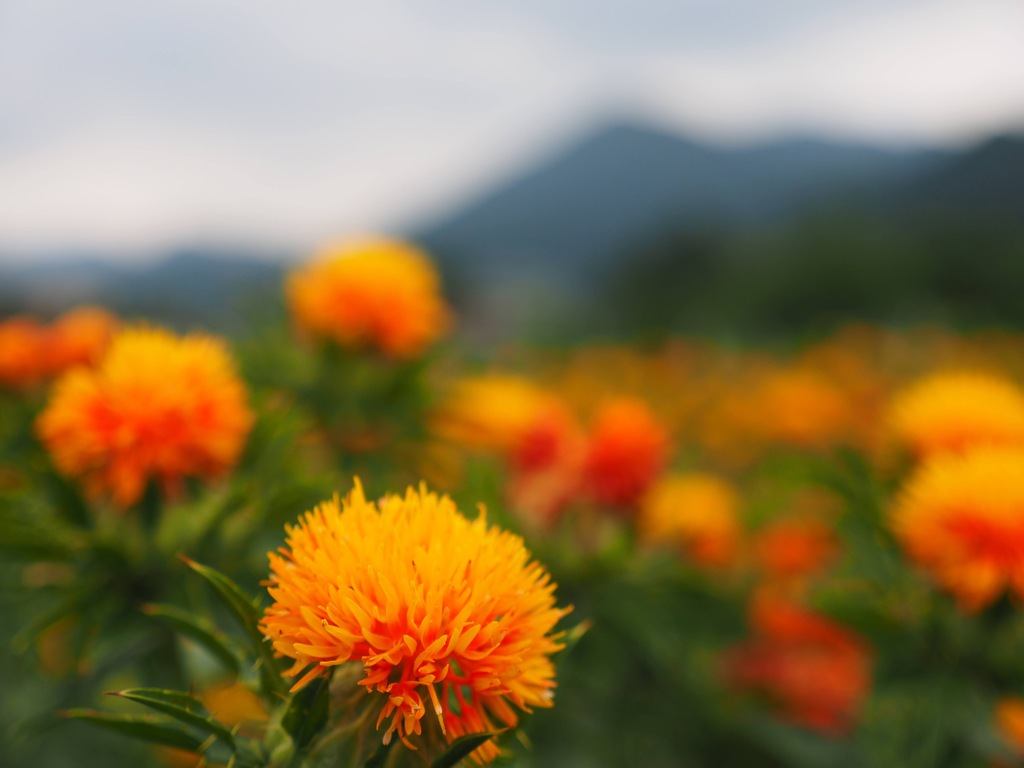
{"points": [[201, 632], [182, 707], [575, 634], [307, 712], [246, 611], [241, 605], [140, 728], [462, 748], [376, 760]]}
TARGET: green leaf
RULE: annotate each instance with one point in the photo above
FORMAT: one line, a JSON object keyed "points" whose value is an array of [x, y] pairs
{"points": [[376, 760], [218, 644], [246, 611], [462, 748], [139, 728], [182, 707], [21, 536], [307, 712], [242, 606], [574, 635]]}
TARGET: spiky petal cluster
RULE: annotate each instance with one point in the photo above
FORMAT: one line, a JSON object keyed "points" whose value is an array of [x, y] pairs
{"points": [[961, 517], [949, 412], [445, 614], [375, 292], [158, 407]]}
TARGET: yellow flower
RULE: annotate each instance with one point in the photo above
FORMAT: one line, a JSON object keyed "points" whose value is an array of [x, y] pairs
{"points": [[956, 411], [696, 512], [961, 517], [372, 292], [445, 614], [158, 407], [508, 415]]}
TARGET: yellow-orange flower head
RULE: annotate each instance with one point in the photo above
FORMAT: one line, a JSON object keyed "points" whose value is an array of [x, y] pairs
{"points": [[508, 415], [956, 411], [696, 512], [961, 516], [157, 407], [444, 613], [801, 409], [375, 292]]}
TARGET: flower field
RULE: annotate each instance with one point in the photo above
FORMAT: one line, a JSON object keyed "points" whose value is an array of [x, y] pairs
{"points": [[345, 539]]}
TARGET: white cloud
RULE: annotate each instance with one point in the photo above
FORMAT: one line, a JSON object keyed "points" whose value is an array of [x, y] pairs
{"points": [[940, 71], [130, 126]]}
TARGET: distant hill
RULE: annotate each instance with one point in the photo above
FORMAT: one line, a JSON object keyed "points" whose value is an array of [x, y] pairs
{"points": [[188, 288], [577, 207], [985, 182], [547, 236]]}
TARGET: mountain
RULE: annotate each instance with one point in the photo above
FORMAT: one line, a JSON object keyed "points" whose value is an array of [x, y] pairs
{"points": [[986, 181], [192, 287], [574, 209]]}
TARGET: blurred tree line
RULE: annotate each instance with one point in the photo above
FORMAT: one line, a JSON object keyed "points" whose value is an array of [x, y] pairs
{"points": [[820, 272]]}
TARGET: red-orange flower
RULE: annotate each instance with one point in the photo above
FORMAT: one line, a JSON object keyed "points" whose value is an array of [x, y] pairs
{"points": [[22, 359], [626, 449], [1009, 721], [373, 292], [814, 671], [961, 517], [158, 407], [792, 548], [78, 337], [446, 615]]}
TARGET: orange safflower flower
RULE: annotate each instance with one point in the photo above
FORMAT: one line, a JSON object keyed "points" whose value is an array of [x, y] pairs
{"points": [[508, 415], [956, 411], [1009, 721], [373, 292], [814, 671], [801, 409], [22, 359], [158, 407], [792, 548], [626, 450], [961, 517], [445, 614], [695, 512], [78, 337]]}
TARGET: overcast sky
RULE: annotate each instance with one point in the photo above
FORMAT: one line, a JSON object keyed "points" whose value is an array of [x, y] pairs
{"points": [[130, 126]]}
